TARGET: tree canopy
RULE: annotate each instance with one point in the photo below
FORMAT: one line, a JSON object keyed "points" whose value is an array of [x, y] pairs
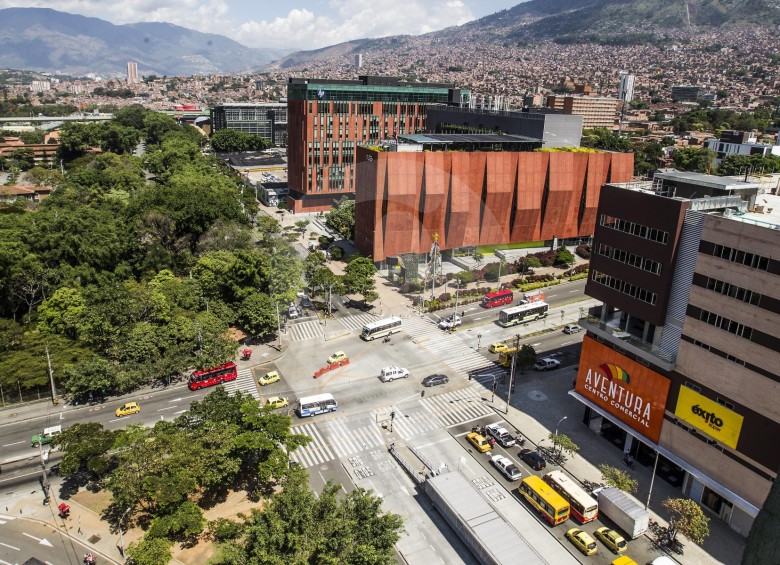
{"points": [[229, 140]]}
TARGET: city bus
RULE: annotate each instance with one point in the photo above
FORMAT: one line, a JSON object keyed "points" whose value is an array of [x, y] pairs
{"points": [[381, 328], [583, 507], [522, 313], [317, 404], [493, 299], [551, 505], [213, 376]]}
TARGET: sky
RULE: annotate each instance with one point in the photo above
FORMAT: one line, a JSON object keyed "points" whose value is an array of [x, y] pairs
{"points": [[286, 24]]}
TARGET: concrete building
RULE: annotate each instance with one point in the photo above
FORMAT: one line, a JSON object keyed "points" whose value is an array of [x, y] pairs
{"points": [[39, 86], [690, 93], [680, 364], [596, 111], [329, 118], [475, 190], [739, 143], [626, 87], [359, 61], [555, 129], [132, 73], [266, 119]]}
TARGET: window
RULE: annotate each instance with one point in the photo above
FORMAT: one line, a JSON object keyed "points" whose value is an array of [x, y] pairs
{"points": [[742, 257], [635, 229], [629, 258], [624, 287], [693, 387], [725, 324], [724, 402]]}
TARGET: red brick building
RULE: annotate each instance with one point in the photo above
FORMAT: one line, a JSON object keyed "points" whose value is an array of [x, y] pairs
{"points": [[474, 198]]}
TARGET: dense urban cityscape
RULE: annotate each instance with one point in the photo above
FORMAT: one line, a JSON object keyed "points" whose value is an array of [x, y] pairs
{"points": [[529, 289]]}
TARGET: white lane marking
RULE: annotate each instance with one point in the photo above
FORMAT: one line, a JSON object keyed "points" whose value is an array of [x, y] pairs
{"points": [[536, 344], [9, 546], [175, 400], [14, 443], [41, 541], [167, 408], [180, 412]]}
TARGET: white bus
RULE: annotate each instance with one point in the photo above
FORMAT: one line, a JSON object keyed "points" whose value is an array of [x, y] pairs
{"points": [[522, 313], [583, 506], [381, 328], [317, 404]]}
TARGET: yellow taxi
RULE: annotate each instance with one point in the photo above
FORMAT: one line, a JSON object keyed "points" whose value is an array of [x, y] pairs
{"points": [[269, 378], [127, 409], [337, 357], [498, 347], [582, 541], [623, 560], [613, 540], [277, 402], [478, 441]]}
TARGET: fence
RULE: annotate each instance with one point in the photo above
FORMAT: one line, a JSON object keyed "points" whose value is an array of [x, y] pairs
{"points": [[10, 395]]}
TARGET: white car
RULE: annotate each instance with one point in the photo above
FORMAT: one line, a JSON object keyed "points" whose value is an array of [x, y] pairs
{"points": [[506, 466], [500, 434], [450, 322], [546, 364], [391, 373]]}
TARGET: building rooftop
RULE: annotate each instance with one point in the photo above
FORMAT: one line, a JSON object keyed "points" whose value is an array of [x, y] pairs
{"points": [[705, 180], [454, 138]]}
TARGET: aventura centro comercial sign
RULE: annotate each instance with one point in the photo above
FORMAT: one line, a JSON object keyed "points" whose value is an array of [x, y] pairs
{"points": [[631, 392]]}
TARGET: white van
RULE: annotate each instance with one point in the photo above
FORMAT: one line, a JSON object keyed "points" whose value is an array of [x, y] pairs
{"points": [[391, 373]]}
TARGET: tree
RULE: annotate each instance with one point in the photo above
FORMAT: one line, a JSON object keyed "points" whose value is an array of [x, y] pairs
{"points": [[697, 159], [762, 546], [90, 377], [156, 125], [131, 116], [341, 217], [359, 278], [687, 518], [526, 357], [257, 314], [44, 177], [228, 140], [564, 257], [285, 270], [85, 446], [614, 477], [299, 527], [564, 442], [63, 313], [150, 551], [602, 138]]}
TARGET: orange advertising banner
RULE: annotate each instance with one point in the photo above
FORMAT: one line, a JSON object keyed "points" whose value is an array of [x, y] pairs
{"points": [[633, 393]]}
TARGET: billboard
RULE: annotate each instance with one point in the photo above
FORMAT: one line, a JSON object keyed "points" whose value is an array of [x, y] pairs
{"points": [[633, 393], [712, 418]]}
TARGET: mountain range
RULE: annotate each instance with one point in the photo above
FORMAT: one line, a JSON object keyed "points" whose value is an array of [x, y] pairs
{"points": [[41, 39]]}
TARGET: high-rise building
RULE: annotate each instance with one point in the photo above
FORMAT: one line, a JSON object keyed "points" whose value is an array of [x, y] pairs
{"points": [[359, 61], [266, 119], [132, 73], [327, 119], [680, 364], [554, 128], [626, 88], [596, 111]]}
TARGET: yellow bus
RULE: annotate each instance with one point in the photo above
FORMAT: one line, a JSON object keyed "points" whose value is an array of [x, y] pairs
{"points": [[551, 505]]}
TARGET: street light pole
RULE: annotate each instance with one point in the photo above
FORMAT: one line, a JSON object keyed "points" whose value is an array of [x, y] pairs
{"points": [[512, 373], [278, 327], [121, 537], [556, 428]]}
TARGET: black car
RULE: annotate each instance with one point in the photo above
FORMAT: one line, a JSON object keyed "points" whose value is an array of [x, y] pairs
{"points": [[433, 380], [533, 459]]}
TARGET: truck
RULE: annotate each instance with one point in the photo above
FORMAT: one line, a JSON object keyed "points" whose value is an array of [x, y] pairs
{"points": [[46, 436], [623, 509]]}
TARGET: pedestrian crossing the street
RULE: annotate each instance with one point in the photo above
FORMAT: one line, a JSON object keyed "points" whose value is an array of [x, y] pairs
{"points": [[343, 437], [305, 330], [245, 382], [357, 321]]}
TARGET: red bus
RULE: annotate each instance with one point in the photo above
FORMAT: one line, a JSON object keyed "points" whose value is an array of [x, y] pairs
{"points": [[213, 376], [493, 299]]}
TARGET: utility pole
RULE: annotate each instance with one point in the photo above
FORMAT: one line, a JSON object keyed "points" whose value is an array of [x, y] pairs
{"points": [[278, 327], [512, 373], [54, 398]]}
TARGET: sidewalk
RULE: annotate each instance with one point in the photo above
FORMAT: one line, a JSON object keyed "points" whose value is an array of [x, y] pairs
{"points": [[723, 545]]}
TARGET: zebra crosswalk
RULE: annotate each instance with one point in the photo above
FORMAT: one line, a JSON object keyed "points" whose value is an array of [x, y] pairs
{"points": [[245, 382], [302, 331], [357, 321], [5, 518], [343, 437]]}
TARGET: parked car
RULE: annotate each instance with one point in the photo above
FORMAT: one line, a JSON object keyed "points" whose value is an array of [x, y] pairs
{"points": [[571, 329], [269, 378], [277, 402], [547, 364], [533, 459], [624, 560], [506, 466], [478, 441], [437, 379], [306, 301], [582, 541], [391, 373], [501, 435], [46, 436], [337, 357], [613, 540], [127, 409], [498, 347], [450, 322]]}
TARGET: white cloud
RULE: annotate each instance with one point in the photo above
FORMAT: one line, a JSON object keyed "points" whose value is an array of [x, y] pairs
{"points": [[354, 19]]}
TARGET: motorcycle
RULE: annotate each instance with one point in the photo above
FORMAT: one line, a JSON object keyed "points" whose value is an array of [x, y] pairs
{"points": [[520, 441], [89, 559], [386, 339]]}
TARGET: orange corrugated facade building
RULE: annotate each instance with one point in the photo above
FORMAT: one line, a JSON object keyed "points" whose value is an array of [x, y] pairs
{"points": [[477, 198]]}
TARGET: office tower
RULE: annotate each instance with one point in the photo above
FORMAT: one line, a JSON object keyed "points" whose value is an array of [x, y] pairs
{"points": [[626, 89], [132, 73]]}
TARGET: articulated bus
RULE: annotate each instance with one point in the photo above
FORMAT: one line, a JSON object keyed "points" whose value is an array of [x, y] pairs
{"points": [[519, 314], [551, 505], [583, 507], [317, 404], [381, 328], [493, 299], [213, 376]]}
